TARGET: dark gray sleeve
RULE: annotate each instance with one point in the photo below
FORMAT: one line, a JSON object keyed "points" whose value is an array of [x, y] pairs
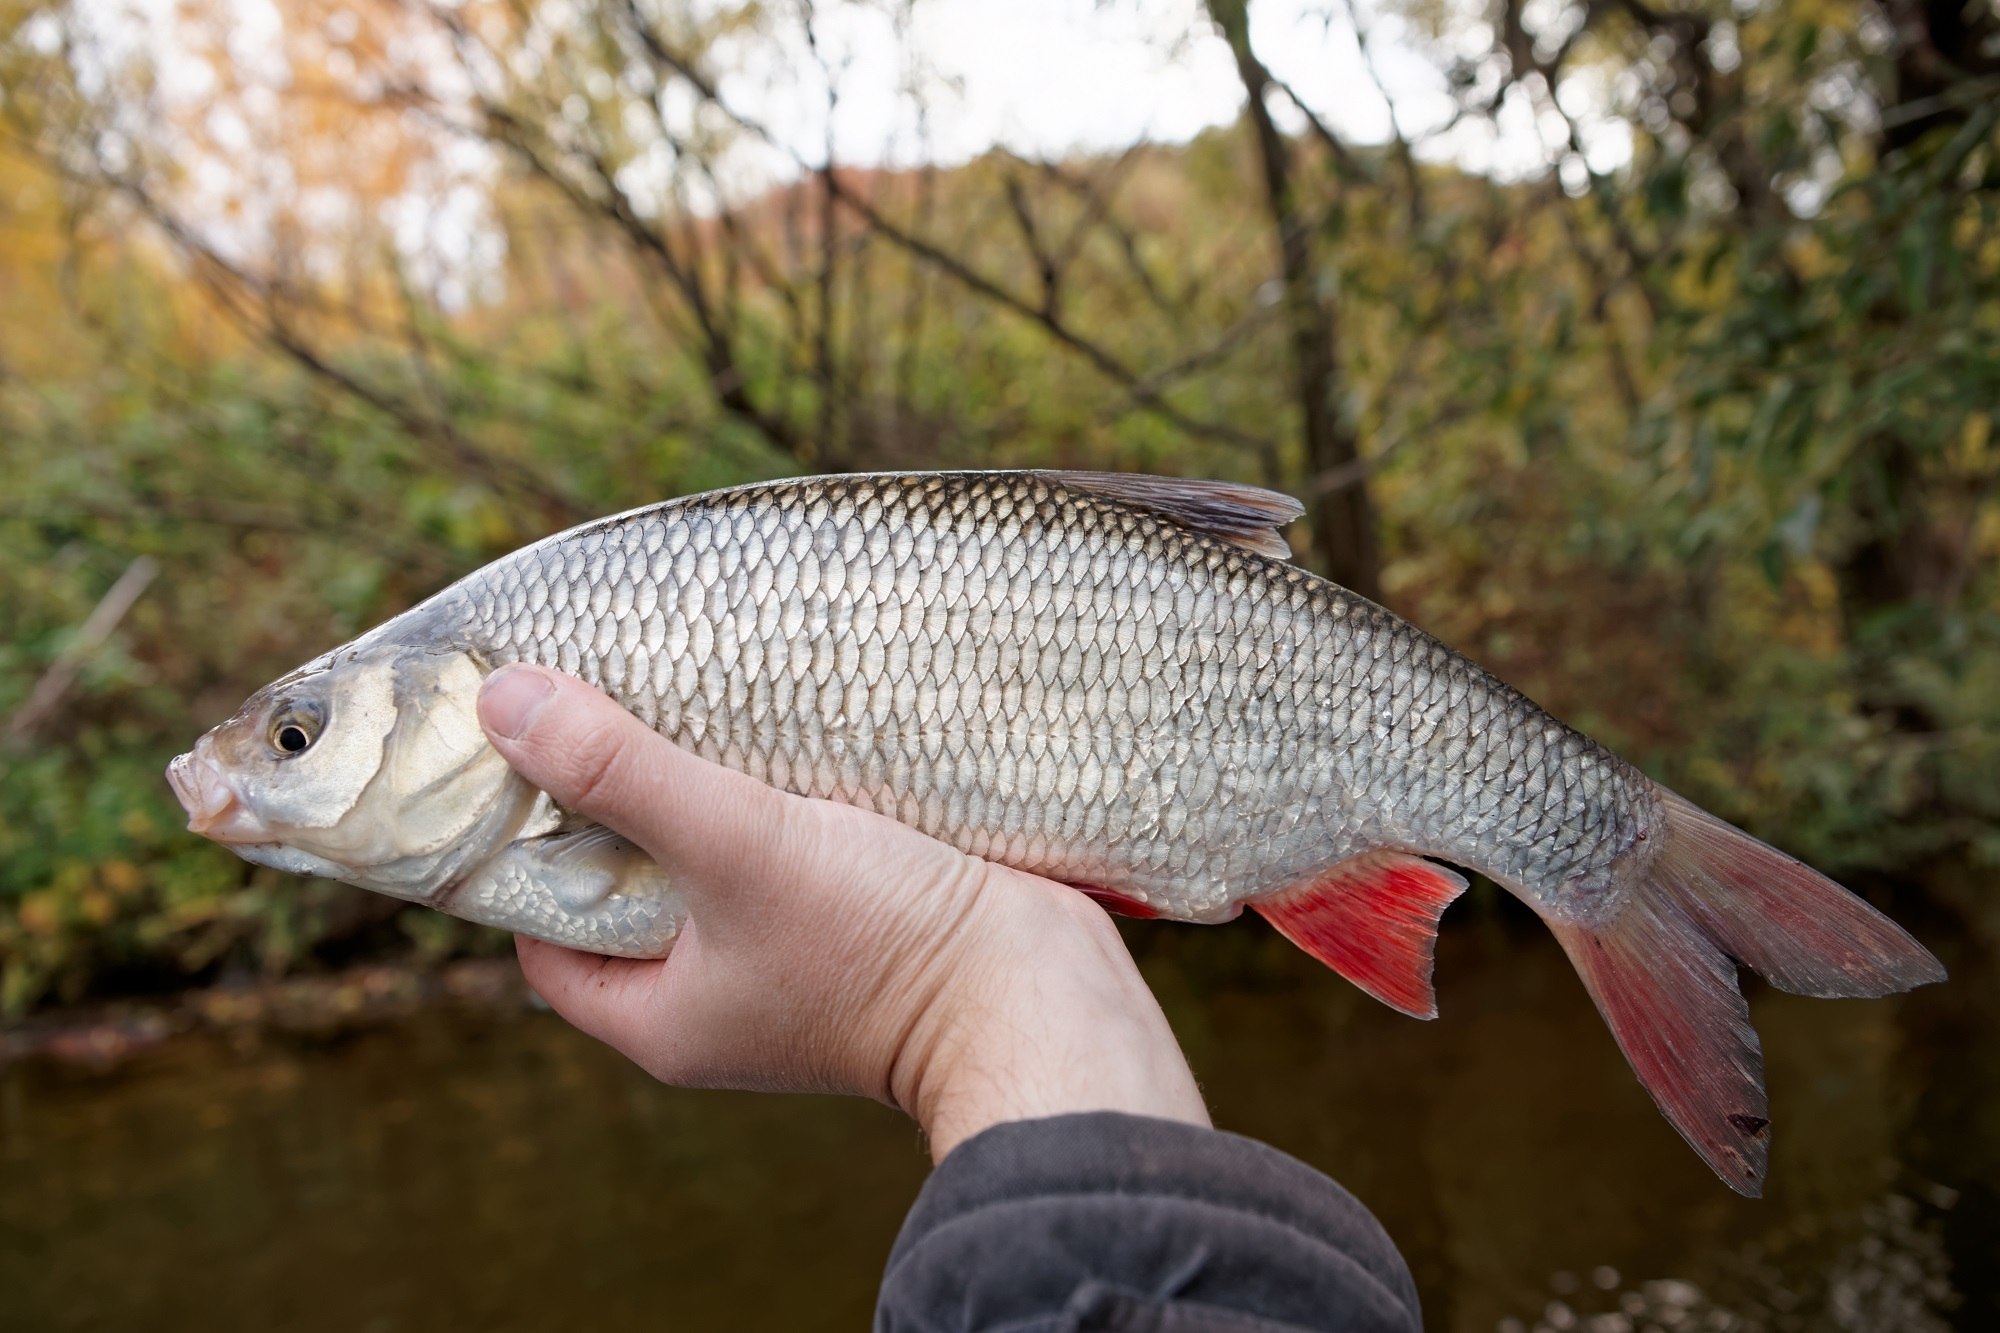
{"points": [[1120, 1222]]}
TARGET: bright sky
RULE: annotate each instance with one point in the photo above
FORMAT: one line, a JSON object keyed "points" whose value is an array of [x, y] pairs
{"points": [[1045, 78], [1048, 77]]}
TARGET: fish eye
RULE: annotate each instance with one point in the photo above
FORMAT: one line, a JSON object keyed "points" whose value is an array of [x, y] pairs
{"points": [[294, 730]]}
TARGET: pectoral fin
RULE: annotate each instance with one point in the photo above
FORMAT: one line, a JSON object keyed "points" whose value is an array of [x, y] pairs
{"points": [[584, 867], [586, 888]]}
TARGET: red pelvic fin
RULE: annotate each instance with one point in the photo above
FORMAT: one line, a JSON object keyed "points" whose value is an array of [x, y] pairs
{"points": [[1374, 920]]}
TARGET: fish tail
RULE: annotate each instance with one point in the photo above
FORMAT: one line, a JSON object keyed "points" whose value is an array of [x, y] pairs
{"points": [[1662, 970]]}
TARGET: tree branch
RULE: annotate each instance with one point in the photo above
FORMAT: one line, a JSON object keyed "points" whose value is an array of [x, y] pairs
{"points": [[1343, 518]]}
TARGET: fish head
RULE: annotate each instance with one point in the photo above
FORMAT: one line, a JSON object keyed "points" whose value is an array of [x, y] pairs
{"points": [[367, 765]]}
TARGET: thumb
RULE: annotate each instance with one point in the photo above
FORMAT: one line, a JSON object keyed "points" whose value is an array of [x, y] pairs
{"points": [[699, 820]]}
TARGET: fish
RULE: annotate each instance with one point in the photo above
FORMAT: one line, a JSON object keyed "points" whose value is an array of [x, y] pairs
{"points": [[1116, 681]]}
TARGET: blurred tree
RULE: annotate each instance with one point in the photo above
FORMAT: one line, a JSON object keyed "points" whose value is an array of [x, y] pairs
{"points": [[1683, 422], [779, 302], [1803, 240], [1343, 519]]}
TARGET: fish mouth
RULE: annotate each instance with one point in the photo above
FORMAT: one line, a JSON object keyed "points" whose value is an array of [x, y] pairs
{"points": [[212, 806]]}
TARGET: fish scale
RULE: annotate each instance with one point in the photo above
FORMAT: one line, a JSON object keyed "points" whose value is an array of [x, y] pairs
{"points": [[982, 642], [1114, 681]]}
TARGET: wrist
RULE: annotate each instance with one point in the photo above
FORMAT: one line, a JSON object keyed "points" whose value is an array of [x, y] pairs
{"points": [[1048, 1016]]}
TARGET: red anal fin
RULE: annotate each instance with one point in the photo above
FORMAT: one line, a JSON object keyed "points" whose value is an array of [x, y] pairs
{"points": [[1374, 920], [1113, 901]]}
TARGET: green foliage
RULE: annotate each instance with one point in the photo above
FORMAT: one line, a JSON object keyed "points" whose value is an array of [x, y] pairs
{"points": [[1701, 453], [1818, 445]]}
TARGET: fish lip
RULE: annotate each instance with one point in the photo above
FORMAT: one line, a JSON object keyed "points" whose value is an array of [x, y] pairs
{"points": [[213, 808]]}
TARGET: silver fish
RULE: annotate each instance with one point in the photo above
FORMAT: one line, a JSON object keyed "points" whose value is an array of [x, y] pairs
{"points": [[1113, 681]]}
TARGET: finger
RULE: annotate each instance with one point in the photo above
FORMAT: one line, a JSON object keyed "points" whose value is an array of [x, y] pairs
{"points": [[707, 825], [608, 998]]}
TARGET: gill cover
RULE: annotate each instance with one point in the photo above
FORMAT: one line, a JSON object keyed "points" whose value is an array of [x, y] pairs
{"points": [[396, 788]]}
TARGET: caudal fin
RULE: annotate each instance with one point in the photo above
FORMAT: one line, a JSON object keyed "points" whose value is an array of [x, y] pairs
{"points": [[1781, 918], [1663, 974]]}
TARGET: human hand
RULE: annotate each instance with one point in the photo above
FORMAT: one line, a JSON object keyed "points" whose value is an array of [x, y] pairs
{"points": [[829, 949]]}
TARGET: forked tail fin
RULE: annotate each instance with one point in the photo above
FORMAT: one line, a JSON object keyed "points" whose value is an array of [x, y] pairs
{"points": [[1663, 974]]}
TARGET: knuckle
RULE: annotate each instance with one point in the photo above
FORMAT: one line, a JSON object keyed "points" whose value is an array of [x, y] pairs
{"points": [[968, 880], [598, 766], [778, 837], [792, 828]]}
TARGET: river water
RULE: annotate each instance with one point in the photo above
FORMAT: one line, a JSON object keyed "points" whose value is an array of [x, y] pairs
{"points": [[474, 1170]]}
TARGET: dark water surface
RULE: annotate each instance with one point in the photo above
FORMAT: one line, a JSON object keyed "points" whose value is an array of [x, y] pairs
{"points": [[461, 1171]]}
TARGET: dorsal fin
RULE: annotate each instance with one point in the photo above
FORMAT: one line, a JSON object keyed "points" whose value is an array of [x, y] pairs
{"points": [[1249, 516]]}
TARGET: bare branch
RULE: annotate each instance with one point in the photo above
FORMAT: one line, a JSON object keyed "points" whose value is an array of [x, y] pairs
{"points": [[726, 380], [233, 288], [1097, 193], [1639, 262], [1343, 156], [1098, 356], [1232, 338], [1343, 520], [1031, 236], [1602, 285], [829, 448], [1413, 180], [90, 636]]}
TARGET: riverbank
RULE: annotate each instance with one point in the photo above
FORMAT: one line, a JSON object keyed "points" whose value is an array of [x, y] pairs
{"points": [[102, 1035]]}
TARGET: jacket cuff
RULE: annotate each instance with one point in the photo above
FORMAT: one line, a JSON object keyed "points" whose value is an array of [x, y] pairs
{"points": [[1033, 1223]]}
